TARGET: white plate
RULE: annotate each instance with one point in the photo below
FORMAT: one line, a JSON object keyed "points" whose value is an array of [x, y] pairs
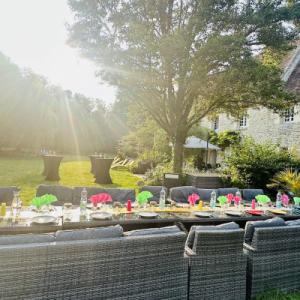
{"points": [[89, 206], [43, 220], [101, 215], [148, 215], [201, 214], [183, 205], [233, 213]]}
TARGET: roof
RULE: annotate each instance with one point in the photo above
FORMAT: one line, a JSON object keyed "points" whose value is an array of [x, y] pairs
{"points": [[193, 142]]}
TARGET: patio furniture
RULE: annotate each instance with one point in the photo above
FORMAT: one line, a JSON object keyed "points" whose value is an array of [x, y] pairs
{"points": [[63, 194], [205, 194], [273, 260], [121, 195], [217, 263], [108, 267], [226, 191], [155, 190], [101, 170], [249, 194], [51, 167], [181, 193], [7, 194]]}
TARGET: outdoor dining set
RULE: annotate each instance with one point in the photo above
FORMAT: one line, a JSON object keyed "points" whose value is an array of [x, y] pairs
{"points": [[126, 246]]}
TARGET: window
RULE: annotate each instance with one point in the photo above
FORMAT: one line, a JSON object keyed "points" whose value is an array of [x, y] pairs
{"points": [[243, 122], [216, 124], [289, 115]]}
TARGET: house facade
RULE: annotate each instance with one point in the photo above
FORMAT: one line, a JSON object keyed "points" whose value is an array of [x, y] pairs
{"points": [[262, 124]]}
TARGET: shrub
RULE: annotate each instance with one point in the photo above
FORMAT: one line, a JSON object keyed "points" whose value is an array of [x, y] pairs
{"points": [[287, 181], [155, 176], [253, 165]]}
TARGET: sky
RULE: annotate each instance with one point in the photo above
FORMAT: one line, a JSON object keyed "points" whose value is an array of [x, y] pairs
{"points": [[33, 35]]}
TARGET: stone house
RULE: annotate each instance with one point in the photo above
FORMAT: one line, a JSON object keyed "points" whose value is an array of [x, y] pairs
{"points": [[262, 124]]}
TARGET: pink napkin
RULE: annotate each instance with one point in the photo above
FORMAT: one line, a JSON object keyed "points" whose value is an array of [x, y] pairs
{"points": [[237, 200], [193, 198], [230, 198], [100, 198], [285, 200]]}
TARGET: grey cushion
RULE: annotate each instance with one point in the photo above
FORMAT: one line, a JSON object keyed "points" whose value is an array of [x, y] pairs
{"points": [[121, 195], [250, 227], [226, 191], [63, 194], [249, 194], [225, 226], [155, 190], [26, 239], [181, 193], [150, 231], [89, 233], [293, 223], [205, 194], [7, 194]]}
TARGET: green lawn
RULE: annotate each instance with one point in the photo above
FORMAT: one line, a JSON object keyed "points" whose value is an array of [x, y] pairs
{"points": [[276, 295], [26, 173]]}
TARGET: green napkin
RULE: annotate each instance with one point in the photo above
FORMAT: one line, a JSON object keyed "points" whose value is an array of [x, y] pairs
{"points": [[222, 200], [46, 199], [297, 200], [262, 199], [143, 197]]}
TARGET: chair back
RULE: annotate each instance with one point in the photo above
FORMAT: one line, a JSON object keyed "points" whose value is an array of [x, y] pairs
{"points": [[226, 191], [110, 268], [7, 194], [181, 193], [205, 194], [121, 195], [155, 190], [249, 194], [218, 267], [63, 194]]}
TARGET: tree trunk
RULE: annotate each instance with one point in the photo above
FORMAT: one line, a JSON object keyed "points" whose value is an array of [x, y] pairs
{"points": [[178, 154]]}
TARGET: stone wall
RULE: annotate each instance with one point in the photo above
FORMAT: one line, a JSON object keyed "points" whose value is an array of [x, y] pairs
{"points": [[263, 125]]}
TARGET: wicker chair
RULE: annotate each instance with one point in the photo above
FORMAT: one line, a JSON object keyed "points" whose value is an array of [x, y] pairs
{"points": [[217, 265], [155, 190], [273, 260], [140, 267], [226, 191], [249, 194], [7, 194], [121, 195], [181, 193], [205, 194], [64, 194]]}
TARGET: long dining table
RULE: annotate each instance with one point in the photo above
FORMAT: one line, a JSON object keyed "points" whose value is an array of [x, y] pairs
{"points": [[24, 222]]}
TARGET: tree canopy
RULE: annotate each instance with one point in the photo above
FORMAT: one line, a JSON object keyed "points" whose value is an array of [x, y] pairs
{"points": [[181, 60], [36, 115]]}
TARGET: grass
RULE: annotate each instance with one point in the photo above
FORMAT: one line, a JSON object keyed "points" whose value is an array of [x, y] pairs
{"points": [[25, 172], [277, 295]]}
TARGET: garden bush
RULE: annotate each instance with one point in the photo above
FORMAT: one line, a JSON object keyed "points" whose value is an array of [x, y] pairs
{"points": [[252, 164]]}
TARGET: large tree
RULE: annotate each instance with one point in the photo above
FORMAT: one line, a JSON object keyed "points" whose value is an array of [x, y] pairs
{"points": [[182, 60]]}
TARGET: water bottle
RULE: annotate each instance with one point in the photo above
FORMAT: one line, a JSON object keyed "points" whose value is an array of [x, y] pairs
{"points": [[278, 200], [238, 194], [83, 202], [162, 199], [213, 199], [16, 204]]}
